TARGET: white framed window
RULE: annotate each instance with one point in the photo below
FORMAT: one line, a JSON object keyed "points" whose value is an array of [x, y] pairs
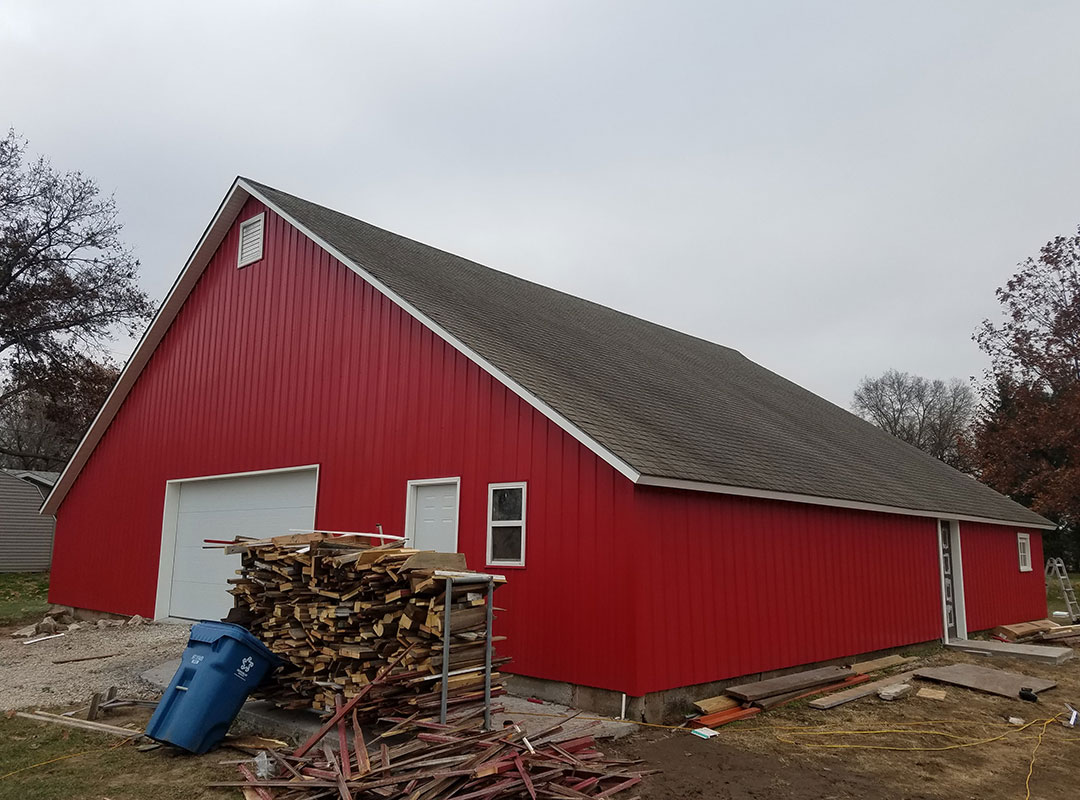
{"points": [[1023, 549], [506, 525], [251, 240]]}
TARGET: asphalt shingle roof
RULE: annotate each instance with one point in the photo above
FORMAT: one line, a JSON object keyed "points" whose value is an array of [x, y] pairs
{"points": [[669, 404]]}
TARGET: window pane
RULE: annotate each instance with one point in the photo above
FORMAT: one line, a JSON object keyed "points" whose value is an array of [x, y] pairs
{"points": [[506, 543], [506, 504]]}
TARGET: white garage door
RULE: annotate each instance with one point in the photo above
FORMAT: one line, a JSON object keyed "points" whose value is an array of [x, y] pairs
{"points": [[260, 505]]}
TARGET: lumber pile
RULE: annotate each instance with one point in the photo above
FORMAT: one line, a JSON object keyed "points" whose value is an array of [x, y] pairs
{"points": [[750, 699], [444, 761], [842, 683], [1042, 630], [339, 612]]}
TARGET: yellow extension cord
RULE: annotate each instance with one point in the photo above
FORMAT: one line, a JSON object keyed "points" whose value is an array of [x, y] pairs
{"points": [[796, 731], [62, 758], [812, 730]]}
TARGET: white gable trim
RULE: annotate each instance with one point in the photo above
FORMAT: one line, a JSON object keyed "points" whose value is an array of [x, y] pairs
{"points": [[204, 251], [185, 282], [597, 448], [226, 214], [791, 497]]}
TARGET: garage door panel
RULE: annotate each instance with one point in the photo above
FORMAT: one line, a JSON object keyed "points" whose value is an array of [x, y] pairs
{"points": [[200, 600], [206, 566], [263, 522], [222, 508], [280, 490]]}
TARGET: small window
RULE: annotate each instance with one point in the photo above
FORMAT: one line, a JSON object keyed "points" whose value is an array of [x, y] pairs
{"points": [[251, 240], [1023, 547], [506, 524]]}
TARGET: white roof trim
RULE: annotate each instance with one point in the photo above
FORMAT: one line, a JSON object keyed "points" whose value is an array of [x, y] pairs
{"points": [[185, 282], [810, 499], [215, 232], [226, 214], [597, 448]]}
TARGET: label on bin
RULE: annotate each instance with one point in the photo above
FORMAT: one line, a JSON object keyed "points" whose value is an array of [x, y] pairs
{"points": [[245, 667], [196, 658]]}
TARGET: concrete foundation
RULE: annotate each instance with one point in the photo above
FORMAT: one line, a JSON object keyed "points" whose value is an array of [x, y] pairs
{"points": [[84, 614], [668, 706]]}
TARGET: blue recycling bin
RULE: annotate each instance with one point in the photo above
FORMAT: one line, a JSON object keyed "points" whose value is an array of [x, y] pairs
{"points": [[222, 664]]}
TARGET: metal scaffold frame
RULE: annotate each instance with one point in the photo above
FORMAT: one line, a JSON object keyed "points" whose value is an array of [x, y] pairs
{"points": [[464, 578]]}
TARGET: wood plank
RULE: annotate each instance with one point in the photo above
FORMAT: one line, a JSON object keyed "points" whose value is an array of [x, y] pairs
{"points": [[1022, 630], [712, 705], [349, 706], [789, 683], [877, 664], [724, 717], [776, 700], [82, 724], [931, 694], [1060, 632], [442, 561], [984, 679], [859, 692], [1035, 652]]}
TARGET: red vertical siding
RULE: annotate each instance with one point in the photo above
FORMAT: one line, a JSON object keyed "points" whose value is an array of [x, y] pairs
{"points": [[996, 592], [296, 360], [732, 586]]}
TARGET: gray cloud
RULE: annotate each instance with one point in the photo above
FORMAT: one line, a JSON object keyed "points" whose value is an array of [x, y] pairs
{"points": [[833, 189]]}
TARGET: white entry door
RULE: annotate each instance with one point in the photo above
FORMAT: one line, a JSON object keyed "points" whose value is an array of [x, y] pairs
{"points": [[433, 515], [257, 505]]}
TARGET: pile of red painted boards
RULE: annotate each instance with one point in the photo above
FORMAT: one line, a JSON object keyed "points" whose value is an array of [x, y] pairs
{"points": [[440, 761], [338, 610], [749, 699]]}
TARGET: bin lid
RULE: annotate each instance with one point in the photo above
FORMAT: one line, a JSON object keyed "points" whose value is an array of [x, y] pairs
{"points": [[209, 632]]}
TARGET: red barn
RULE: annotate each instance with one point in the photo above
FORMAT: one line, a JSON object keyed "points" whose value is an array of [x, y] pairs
{"points": [[668, 513]]}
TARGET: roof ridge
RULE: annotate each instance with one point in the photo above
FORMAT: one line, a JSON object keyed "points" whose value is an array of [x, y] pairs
{"points": [[527, 281]]}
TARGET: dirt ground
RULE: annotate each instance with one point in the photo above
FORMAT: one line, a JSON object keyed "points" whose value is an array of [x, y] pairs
{"points": [[92, 766], [913, 748], [30, 678], [959, 748]]}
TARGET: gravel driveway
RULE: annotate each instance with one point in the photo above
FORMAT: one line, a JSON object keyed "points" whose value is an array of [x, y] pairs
{"points": [[29, 678]]}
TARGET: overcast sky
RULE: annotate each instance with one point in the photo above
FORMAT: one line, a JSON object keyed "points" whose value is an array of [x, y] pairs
{"points": [[831, 188]]}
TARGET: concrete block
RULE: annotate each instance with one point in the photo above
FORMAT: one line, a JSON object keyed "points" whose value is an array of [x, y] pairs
{"points": [[552, 691], [602, 701], [894, 692]]}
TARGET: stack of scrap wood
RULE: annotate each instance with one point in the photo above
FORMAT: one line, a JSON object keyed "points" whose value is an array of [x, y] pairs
{"points": [[749, 699], [338, 611], [441, 761], [1041, 630]]}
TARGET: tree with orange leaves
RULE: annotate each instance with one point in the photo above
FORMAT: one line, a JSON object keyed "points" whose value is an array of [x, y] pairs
{"points": [[1027, 439]]}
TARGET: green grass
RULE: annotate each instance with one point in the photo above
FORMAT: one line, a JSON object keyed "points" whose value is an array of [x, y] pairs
{"points": [[1055, 601], [23, 597], [90, 766]]}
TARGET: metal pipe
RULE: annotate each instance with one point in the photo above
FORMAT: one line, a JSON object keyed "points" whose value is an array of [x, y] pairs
{"points": [[446, 648], [345, 533], [487, 654]]}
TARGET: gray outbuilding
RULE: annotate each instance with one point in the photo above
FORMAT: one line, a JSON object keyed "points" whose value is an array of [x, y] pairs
{"points": [[26, 537]]}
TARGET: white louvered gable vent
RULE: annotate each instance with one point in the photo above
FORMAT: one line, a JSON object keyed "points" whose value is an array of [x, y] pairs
{"points": [[251, 240]]}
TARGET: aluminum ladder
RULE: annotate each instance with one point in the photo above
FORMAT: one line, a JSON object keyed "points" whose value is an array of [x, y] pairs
{"points": [[1055, 568]]}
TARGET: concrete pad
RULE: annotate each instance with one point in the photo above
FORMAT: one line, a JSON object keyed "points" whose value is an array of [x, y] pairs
{"points": [[1035, 652], [535, 717], [265, 719], [161, 675]]}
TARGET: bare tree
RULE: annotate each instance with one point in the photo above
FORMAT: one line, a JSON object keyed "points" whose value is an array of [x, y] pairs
{"points": [[933, 415], [67, 285]]}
